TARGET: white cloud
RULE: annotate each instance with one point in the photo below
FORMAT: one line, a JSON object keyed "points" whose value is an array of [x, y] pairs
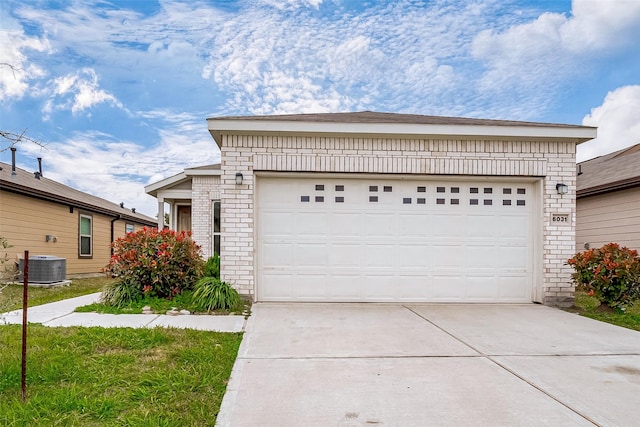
{"points": [[77, 92], [16, 71], [284, 4], [398, 57], [117, 170], [542, 53], [618, 122]]}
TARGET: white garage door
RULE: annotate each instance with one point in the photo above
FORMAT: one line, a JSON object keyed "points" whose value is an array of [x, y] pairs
{"points": [[327, 239]]}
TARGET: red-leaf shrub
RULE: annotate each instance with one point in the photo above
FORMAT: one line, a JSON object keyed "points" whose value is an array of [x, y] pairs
{"points": [[154, 263], [611, 273]]}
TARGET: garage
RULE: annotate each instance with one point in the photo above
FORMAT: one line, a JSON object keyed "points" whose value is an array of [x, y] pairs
{"points": [[390, 207], [376, 239]]}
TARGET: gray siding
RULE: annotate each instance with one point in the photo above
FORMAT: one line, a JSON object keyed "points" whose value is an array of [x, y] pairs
{"points": [[609, 217]]}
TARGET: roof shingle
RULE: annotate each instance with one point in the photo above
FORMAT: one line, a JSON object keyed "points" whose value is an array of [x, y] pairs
{"points": [[24, 182]]}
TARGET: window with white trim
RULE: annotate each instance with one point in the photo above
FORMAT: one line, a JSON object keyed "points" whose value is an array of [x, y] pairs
{"points": [[216, 226], [85, 245]]}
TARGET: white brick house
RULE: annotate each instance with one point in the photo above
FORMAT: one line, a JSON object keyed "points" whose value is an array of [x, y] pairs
{"points": [[193, 199], [396, 207]]}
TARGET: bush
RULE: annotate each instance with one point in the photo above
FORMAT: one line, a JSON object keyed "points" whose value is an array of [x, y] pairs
{"points": [[212, 267], [611, 273], [153, 263], [213, 294]]}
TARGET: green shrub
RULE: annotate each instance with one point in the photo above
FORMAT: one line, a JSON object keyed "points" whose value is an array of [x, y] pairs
{"points": [[212, 266], [211, 293], [611, 273], [153, 263]]}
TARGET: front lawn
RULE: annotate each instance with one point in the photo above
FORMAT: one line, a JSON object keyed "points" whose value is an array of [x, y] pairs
{"points": [[11, 295], [589, 306], [117, 376]]}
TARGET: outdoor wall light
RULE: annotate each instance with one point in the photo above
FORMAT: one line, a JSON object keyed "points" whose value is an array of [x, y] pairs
{"points": [[239, 178], [560, 188]]}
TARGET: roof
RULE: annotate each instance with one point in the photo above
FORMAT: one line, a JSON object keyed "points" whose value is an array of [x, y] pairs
{"points": [[152, 189], [615, 171], [369, 122], [26, 183]]}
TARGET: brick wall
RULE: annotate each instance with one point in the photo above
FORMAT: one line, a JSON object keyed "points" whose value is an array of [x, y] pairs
{"points": [[204, 189], [554, 162]]}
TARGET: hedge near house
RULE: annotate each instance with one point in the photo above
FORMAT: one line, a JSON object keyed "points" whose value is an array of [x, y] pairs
{"points": [[611, 273], [152, 263]]}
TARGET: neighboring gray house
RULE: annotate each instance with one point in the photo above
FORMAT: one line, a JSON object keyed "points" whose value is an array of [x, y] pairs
{"points": [[608, 200], [390, 207]]}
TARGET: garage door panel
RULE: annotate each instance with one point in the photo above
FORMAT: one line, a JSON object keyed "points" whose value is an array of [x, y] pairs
{"points": [[276, 223], [310, 255], [448, 288], [344, 255], [481, 226], [277, 254], [412, 287], [446, 257], [481, 256], [345, 287], [379, 225], [393, 240], [448, 225], [275, 286], [379, 287], [311, 287], [309, 224], [415, 256], [414, 225], [513, 226], [346, 224], [512, 258], [513, 288], [481, 288], [378, 256]]}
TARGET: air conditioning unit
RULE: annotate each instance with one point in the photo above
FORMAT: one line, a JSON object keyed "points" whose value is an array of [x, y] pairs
{"points": [[45, 269]]}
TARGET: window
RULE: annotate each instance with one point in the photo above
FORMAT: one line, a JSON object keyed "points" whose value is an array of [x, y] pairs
{"points": [[86, 236], [128, 228], [216, 226]]}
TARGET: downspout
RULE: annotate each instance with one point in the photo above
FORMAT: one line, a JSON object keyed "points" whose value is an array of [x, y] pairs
{"points": [[116, 218]]}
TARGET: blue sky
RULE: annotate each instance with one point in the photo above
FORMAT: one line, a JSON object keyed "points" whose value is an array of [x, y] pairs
{"points": [[118, 91]]}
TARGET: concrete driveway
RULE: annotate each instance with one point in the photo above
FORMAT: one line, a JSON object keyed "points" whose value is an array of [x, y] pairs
{"points": [[431, 365]]}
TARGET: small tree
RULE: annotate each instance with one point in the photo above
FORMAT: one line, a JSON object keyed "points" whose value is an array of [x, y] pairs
{"points": [[155, 263], [8, 272], [611, 273]]}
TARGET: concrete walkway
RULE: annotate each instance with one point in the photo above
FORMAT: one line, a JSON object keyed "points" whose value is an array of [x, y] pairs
{"points": [[431, 365], [61, 313]]}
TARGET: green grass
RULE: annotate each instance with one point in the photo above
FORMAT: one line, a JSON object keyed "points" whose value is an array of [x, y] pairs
{"points": [[11, 296], [117, 376], [589, 306], [159, 305]]}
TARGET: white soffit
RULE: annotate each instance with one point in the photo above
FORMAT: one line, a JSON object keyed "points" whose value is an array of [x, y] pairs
{"points": [[153, 188], [577, 134]]}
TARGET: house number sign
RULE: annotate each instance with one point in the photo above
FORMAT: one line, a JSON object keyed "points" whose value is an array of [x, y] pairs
{"points": [[560, 219]]}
